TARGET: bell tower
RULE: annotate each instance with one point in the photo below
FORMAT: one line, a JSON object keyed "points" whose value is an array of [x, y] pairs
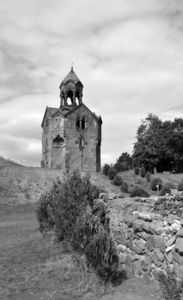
{"points": [[71, 90]]}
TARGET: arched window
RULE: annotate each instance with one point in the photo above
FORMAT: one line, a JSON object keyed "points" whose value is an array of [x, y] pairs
{"points": [[81, 123]]}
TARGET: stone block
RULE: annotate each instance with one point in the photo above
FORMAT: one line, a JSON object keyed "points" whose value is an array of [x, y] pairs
{"points": [[179, 245], [130, 220], [140, 243], [157, 227], [171, 219], [143, 235], [169, 257], [138, 225], [159, 242], [156, 260], [150, 243], [145, 216], [178, 269], [177, 257], [175, 227], [171, 241], [112, 196], [180, 233]]}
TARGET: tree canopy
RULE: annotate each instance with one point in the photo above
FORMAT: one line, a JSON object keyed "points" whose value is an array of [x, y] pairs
{"points": [[159, 144]]}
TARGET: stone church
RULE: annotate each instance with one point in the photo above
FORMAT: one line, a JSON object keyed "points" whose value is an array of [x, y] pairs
{"points": [[71, 136]]}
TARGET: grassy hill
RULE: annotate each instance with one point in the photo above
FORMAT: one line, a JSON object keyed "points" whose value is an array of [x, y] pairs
{"points": [[34, 267]]}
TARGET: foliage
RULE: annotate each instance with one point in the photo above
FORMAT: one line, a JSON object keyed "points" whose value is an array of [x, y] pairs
{"points": [[171, 289], [159, 144], [137, 170], [142, 172], [112, 173], [156, 181], [180, 186], [106, 168], [126, 160], [148, 177], [81, 222], [166, 189], [45, 208], [118, 180], [124, 187], [119, 167], [139, 192]]}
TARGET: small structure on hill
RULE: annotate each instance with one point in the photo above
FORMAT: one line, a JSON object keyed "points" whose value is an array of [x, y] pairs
{"points": [[71, 136]]}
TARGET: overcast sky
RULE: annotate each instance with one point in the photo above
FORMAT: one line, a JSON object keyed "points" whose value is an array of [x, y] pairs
{"points": [[127, 53]]}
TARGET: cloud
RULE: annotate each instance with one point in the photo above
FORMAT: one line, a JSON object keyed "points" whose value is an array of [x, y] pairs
{"points": [[128, 55]]}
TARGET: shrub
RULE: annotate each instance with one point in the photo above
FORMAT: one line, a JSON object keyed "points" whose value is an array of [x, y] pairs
{"points": [[45, 208], [124, 187], [112, 173], [118, 180], [166, 189], [119, 167], [170, 287], [139, 192], [137, 171], [106, 169], [148, 177], [156, 181], [180, 186], [142, 172]]}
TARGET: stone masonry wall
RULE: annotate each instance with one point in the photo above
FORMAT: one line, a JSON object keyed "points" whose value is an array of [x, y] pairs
{"points": [[147, 241]]}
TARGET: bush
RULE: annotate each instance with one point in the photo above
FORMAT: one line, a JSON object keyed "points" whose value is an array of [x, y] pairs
{"points": [[137, 171], [142, 172], [180, 186], [139, 192], [118, 180], [170, 287], [106, 169], [156, 181], [45, 208], [124, 187], [112, 173], [166, 189], [82, 223], [119, 167], [148, 177]]}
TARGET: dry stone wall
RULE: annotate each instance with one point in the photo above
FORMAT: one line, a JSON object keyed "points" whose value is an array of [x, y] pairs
{"points": [[147, 241]]}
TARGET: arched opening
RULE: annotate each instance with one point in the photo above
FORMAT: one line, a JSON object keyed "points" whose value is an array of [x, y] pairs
{"points": [[70, 97], [58, 141]]}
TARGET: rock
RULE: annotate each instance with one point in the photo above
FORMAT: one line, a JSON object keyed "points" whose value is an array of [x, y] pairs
{"points": [[140, 243], [171, 241], [130, 220], [178, 269], [122, 258], [112, 196], [103, 196], [170, 248], [119, 237], [169, 257], [122, 248], [143, 235], [171, 219], [147, 227], [179, 245], [150, 243], [175, 192], [156, 216], [175, 227], [138, 225], [180, 233], [157, 227], [120, 195], [160, 255], [145, 216], [178, 258], [156, 260], [159, 242]]}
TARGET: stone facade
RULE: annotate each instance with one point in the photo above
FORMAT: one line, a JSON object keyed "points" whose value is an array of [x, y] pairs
{"points": [[71, 137]]}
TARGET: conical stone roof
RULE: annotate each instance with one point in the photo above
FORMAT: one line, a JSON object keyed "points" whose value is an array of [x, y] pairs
{"points": [[71, 76]]}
